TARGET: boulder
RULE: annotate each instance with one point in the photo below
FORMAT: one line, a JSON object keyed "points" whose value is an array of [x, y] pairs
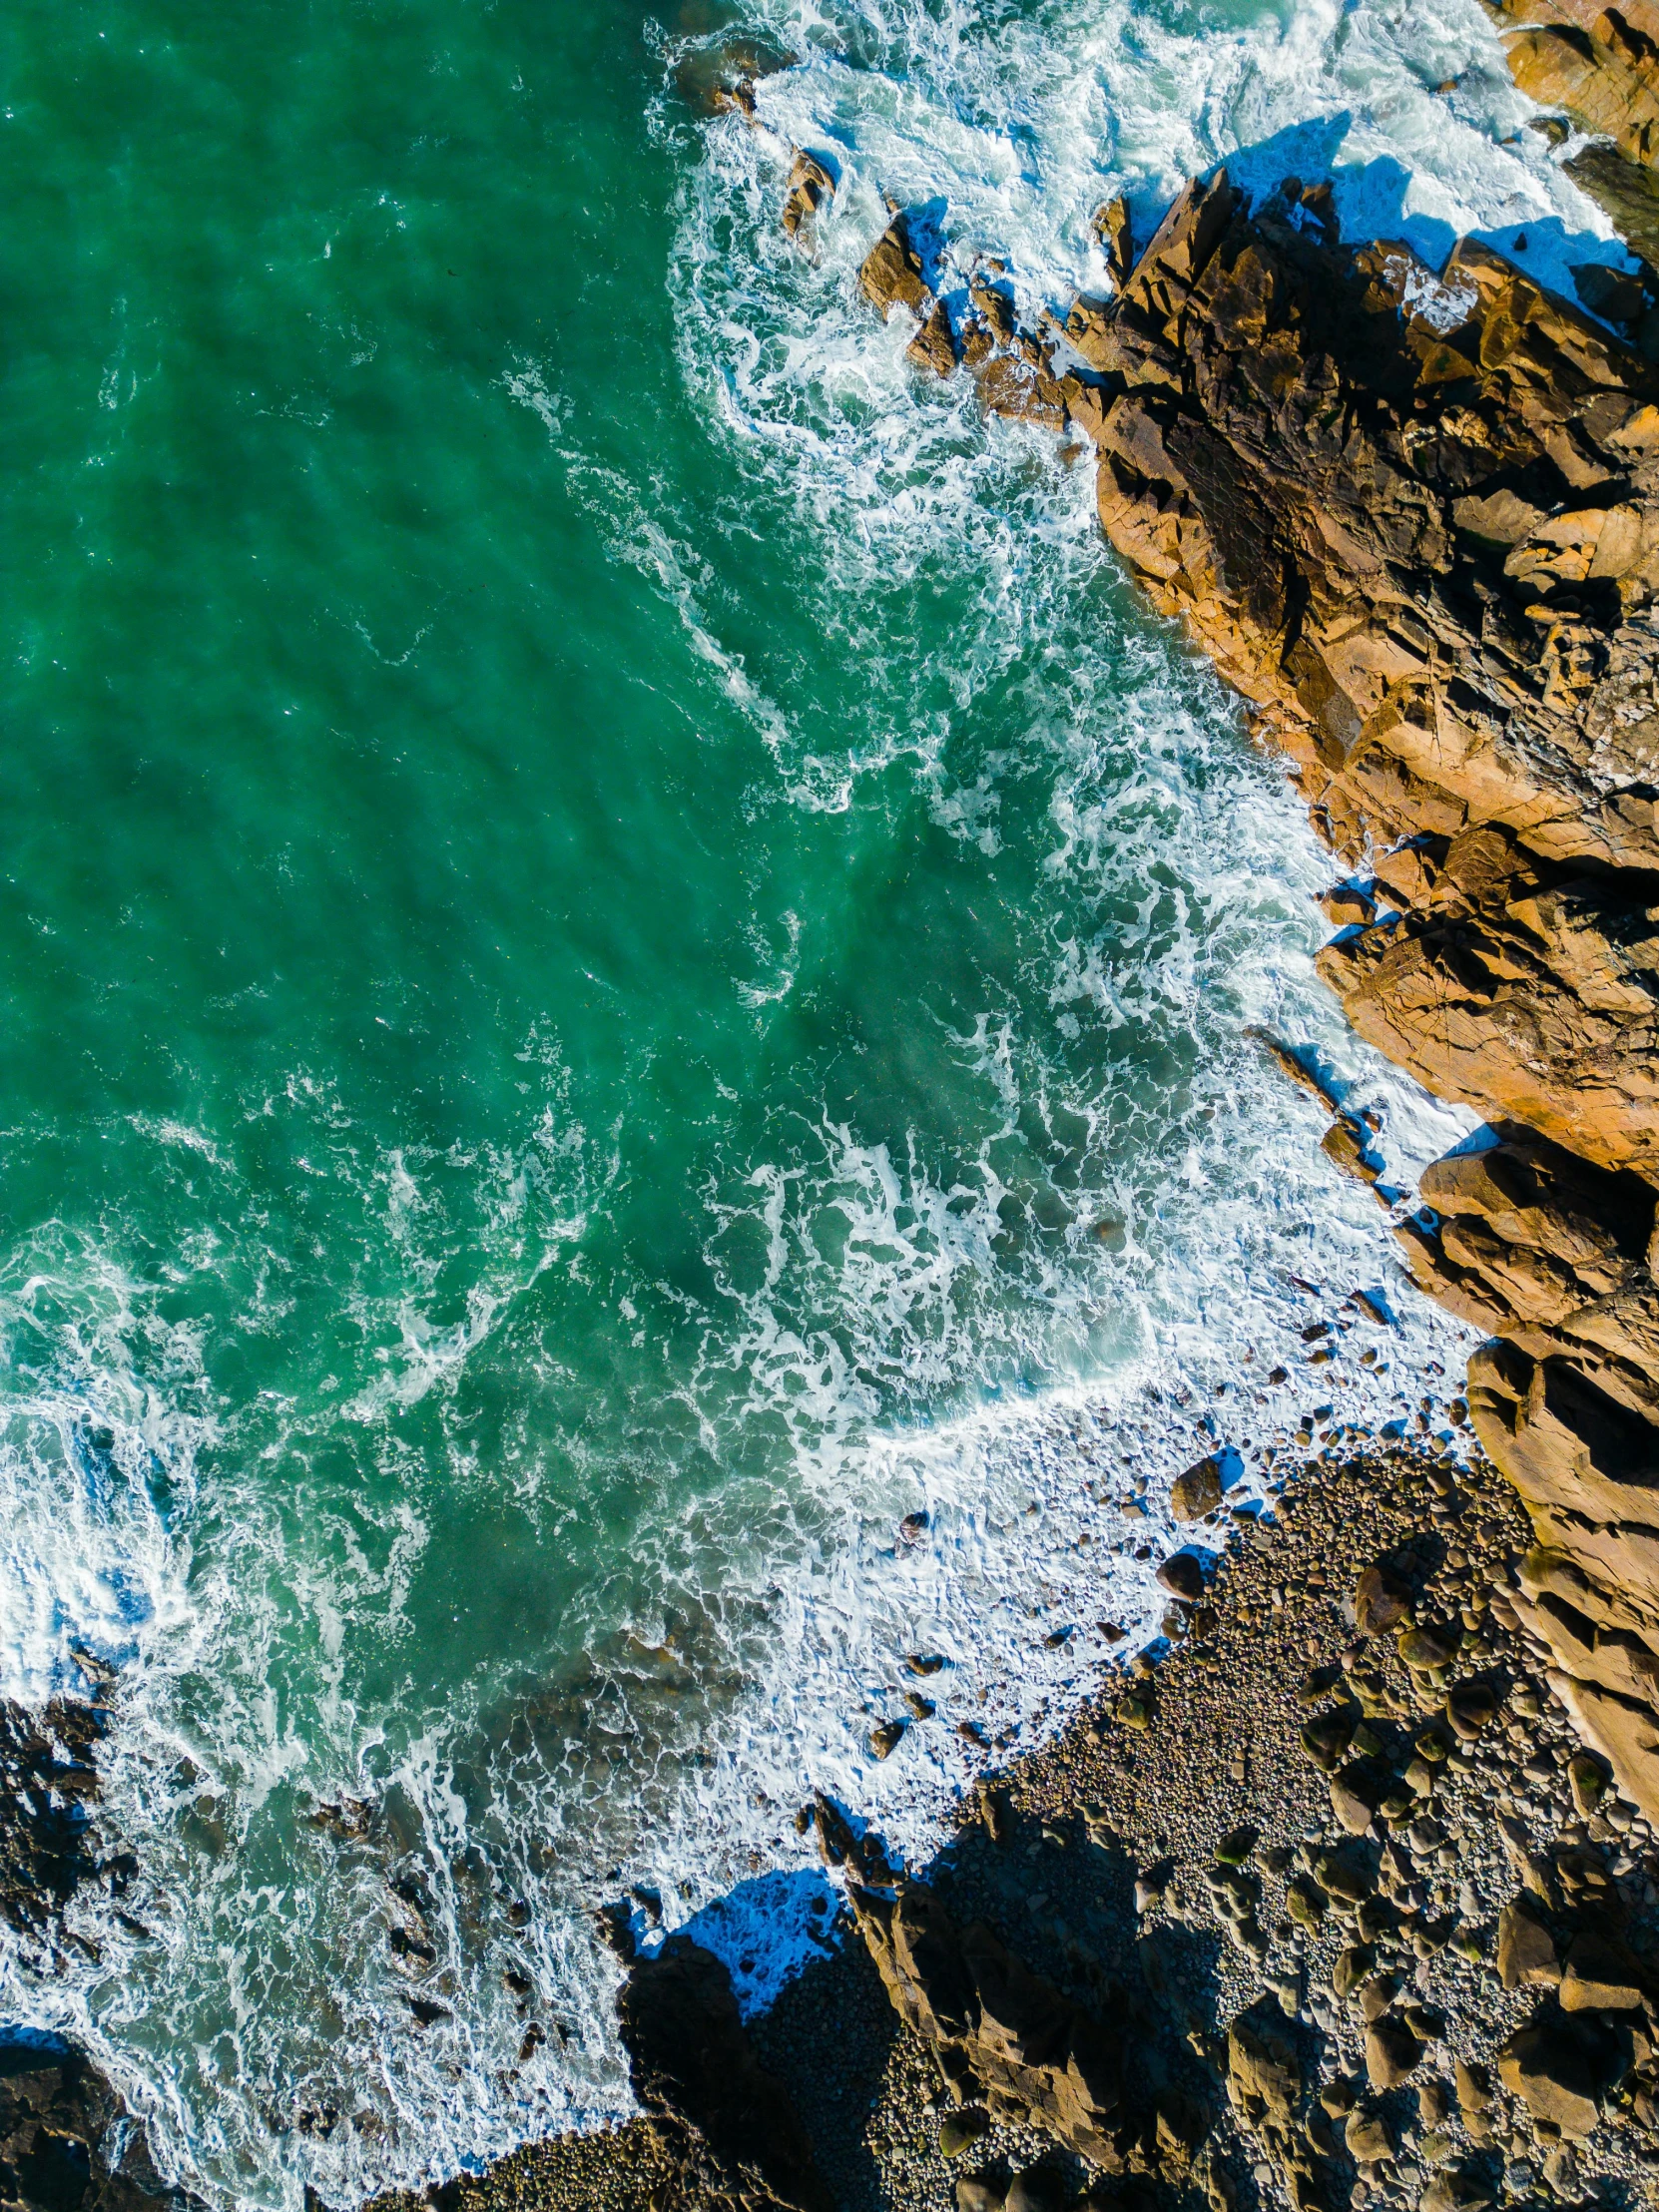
{"points": [[809, 188], [935, 345], [1366, 2137], [1357, 1790], [1601, 1976], [1525, 1948], [1264, 2073], [1556, 2072], [1391, 2053], [1348, 1873], [1198, 1491], [1382, 1600], [1182, 1575], [974, 2194], [891, 274]]}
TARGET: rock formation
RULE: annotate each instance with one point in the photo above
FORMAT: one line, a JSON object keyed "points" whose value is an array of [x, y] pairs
{"points": [[1007, 2042], [1412, 517], [1596, 62], [67, 2143]]}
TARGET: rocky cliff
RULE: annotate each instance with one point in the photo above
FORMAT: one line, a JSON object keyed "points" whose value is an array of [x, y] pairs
{"points": [[1413, 515]]}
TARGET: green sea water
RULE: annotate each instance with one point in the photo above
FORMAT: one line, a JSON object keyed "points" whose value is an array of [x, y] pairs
{"points": [[623, 958]]}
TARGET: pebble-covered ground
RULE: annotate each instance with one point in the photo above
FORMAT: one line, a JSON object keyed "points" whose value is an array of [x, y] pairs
{"points": [[1284, 1820]]}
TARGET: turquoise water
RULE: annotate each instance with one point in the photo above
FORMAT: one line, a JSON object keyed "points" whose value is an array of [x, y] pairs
{"points": [[623, 959]]}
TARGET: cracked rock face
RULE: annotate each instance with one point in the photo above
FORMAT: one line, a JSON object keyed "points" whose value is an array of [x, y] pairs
{"points": [[1594, 61], [1412, 519]]}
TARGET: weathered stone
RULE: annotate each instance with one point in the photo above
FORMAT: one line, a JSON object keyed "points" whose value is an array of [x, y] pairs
{"points": [[1456, 2191], [1391, 2051], [990, 2019], [1474, 2086], [1592, 61], [891, 273], [1327, 1735], [1346, 1146], [973, 2194], [1037, 2189], [935, 344], [1305, 1903], [1525, 1948], [1430, 1645], [1198, 1491], [1382, 1600], [1374, 1997], [809, 188], [1559, 2073], [958, 2131], [1589, 1781], [1470, 1707], [1366, 2137], [1264, 2073], [1182, 1576], [1357, 1790], [1351, 1968], [1600, 1977], [1348, 1873]]}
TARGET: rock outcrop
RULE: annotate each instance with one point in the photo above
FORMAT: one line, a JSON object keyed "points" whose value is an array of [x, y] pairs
{"points": [[1414, 518], [1598, 63], [1007, 2042], [47, 1786], [67, 2143]]}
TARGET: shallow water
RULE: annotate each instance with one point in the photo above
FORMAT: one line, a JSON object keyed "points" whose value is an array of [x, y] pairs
{"points": [[624, 959]]}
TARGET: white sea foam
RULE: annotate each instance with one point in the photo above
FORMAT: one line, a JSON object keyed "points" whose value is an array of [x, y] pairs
{"points": [[968, 1347]]}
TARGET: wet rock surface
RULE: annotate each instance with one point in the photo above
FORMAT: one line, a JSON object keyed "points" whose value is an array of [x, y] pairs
{"points": [[48, 1787], [67, 2143]]}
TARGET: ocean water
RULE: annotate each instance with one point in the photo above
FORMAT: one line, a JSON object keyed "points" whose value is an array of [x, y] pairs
{"points": [[625, 959]]}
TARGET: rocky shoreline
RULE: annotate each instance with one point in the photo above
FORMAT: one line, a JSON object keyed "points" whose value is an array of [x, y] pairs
{"points": [[1330, 1908], [1354, 1900], [1412, 517]]}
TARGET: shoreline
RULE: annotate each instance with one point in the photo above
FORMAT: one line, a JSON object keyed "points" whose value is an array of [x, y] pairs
{"points": [[1252, 531], [1489, 941], [1178, 1858]]}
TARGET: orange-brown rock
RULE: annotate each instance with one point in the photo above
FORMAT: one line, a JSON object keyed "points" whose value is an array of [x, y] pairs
{"points": [[996, 2029], [810, 186], [1414, 517], [892, 275], [1596, 62]]}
